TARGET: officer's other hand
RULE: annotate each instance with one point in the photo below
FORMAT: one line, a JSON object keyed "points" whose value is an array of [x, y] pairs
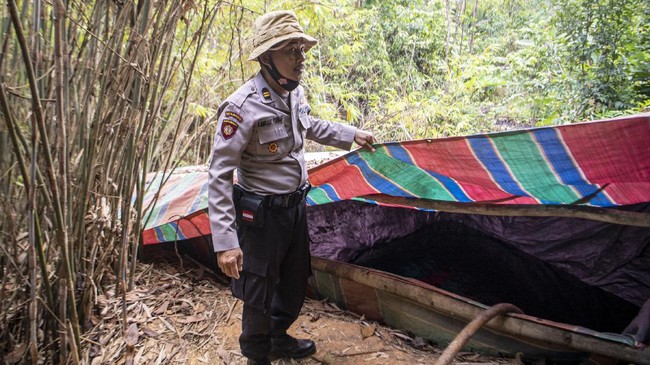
{"points": [[364, 139], [231, 262]]}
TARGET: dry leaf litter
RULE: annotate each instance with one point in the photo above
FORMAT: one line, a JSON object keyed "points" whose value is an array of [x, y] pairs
{"points": [[182, 313]]}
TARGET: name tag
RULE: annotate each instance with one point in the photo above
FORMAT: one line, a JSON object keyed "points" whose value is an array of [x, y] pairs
{"points": [[272, 132], [268, 122]]}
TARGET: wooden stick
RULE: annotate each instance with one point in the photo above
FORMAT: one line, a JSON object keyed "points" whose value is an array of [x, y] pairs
{"points": [[466, 334]]}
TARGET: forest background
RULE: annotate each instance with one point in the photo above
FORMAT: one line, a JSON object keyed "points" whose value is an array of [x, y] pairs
{"points": [[97, 94]]}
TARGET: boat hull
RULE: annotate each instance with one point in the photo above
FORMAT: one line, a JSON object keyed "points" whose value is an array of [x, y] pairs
{"points": [[439, 316]]}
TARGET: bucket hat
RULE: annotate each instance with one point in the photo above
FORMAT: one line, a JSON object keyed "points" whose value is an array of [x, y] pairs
{"points": [[275, 27]]}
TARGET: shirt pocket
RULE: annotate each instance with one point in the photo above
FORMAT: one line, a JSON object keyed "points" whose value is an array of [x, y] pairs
{"points": [[274, 142], [270, 133]]}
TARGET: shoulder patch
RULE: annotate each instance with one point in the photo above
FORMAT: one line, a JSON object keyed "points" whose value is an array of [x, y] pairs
{"points": [[266, 94], [234, 115], [228, 129]]}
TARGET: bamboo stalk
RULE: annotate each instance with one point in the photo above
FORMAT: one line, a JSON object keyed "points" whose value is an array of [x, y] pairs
{"points": [[144, 127], [85, 175], [36, 244], [62, 117], [39, 120], [33, 304], [33, 329], [9, 121]]}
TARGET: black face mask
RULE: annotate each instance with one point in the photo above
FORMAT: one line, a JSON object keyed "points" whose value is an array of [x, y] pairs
{"points": [[284, 82]]}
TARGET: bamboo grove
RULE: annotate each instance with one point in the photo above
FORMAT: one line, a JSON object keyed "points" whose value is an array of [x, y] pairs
{"points": [[87, 109], [96, 95]]}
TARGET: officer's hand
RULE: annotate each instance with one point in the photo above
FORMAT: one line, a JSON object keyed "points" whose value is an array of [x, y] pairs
{"points": [[364, 139], [231, 262]]}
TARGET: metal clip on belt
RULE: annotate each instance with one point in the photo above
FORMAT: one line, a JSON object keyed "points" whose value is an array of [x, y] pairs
{"points": [[288, 200]]}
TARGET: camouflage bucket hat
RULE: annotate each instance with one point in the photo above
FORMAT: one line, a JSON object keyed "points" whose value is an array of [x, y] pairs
{"points": [[275, 27]]}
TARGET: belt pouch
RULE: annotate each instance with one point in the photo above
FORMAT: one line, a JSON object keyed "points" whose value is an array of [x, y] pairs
{"points": [[251, 210]]}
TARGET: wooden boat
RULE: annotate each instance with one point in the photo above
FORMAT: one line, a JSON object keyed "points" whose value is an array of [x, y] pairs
{"points": [[438, 316], [542, 192]]}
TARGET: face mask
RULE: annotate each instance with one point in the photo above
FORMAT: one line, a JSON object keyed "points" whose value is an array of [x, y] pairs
{"points": [[284, 82]]}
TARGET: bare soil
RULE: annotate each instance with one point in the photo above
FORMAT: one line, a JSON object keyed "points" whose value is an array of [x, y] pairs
{"points": [[181, 313]]}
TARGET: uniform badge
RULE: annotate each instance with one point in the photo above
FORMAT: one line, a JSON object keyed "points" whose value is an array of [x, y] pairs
{"points": [[228, 129], [234, 115], [247, 215], [266, 94], [273, 147]]}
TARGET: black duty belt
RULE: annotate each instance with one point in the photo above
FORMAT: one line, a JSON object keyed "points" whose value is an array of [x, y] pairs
{"points": [[287, 200]]}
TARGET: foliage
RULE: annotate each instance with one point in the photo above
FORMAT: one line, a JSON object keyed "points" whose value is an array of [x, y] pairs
{"points": [[604, 50]]}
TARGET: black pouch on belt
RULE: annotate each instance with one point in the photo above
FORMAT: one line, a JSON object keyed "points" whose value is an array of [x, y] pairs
{"points": [[250, 210]]}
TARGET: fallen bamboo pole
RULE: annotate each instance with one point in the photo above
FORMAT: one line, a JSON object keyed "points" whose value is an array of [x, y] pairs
{"points": [[566, 211]]}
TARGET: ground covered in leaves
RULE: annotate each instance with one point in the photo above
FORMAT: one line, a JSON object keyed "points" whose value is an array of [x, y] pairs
{"points": [[182, 313]]}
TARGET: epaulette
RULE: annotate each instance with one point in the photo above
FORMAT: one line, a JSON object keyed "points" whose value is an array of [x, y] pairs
{"points": [[239, 96]]}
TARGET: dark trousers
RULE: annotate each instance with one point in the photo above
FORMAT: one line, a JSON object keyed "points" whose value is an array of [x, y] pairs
{"points": [[274, 277]]}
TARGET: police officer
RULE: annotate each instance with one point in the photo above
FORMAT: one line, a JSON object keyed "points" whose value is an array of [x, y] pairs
{"points": [[259, 226]]}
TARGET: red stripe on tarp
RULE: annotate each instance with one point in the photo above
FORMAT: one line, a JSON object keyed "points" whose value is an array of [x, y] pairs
{"points": [[615, 152], [194, 225], [453, 158], [347, 180], [149, 237]]}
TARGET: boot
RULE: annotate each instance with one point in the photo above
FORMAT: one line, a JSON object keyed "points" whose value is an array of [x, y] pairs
{"points": [[288, 347], [262, 361]]}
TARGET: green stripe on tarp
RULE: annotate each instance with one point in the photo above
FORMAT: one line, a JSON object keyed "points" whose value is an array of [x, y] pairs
{"points": [[151, 215], [169, 232], [532, 172], [319, 196], [406, 176]]}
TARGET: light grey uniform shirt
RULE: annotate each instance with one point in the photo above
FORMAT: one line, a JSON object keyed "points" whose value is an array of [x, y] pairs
{"points": [[261, 137]]}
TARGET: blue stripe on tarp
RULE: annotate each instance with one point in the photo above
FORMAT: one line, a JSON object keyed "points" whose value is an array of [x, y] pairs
{"points": [[330, 192], [564, 167], [375, 180], [177, 230], [159, 234], [199, 197], [161, 210], [487, 156], [400, 153]]}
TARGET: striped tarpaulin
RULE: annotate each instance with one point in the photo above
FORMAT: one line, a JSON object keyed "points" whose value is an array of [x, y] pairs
{"points": [[178, 209], [599, 164], [603, 164]]}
